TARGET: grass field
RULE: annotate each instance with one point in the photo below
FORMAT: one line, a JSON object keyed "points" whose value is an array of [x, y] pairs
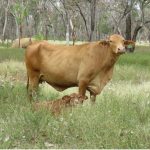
{"points": [[119, 119]]}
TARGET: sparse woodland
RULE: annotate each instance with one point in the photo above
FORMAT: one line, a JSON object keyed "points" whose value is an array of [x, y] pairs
{"points": [[83, 20]]}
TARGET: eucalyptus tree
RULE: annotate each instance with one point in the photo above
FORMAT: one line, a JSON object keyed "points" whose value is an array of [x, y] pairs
{"points": [[19, 9]]}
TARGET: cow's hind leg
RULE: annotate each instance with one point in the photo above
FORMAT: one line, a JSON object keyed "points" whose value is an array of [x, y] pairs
{"points": [[33, 84]]}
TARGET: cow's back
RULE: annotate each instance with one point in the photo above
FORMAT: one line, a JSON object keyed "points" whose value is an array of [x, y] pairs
{"points": [[60, 64], [57, 64], [64, 66]]}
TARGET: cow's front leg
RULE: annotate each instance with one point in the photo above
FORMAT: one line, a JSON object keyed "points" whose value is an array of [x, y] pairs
{"points": [[97, 85], [94, 88], [82, 87]]}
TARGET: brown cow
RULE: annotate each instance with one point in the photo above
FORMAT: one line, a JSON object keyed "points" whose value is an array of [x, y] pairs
{"points": [[88, 66], [56, 106]]}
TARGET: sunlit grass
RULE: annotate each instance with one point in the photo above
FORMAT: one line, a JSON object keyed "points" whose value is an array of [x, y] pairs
{"points": [[119, 119]]}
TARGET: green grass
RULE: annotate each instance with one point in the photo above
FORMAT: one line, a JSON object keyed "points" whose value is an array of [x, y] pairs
{"points": [[119, 119], [11, 53], [139, 58]]}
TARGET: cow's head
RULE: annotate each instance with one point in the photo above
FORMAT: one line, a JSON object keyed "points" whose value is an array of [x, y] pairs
{"points": [[117, 43], [73, 99]]}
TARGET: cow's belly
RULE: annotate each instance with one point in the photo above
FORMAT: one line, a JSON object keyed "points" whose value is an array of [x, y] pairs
{"points": [[61, 88], [60, 70], [61, 83], [59, 80], [57, 83]]}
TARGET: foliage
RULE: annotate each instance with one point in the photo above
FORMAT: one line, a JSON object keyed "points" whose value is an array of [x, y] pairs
{"points": [[104, 25], [11, 53], [50, 17], [20, 11], [39, 37]]}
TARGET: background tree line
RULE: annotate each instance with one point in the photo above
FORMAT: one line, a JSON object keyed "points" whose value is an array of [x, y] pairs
{"points": [[85, 20]]}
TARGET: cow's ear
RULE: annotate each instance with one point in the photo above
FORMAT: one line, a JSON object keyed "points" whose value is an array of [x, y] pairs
{"points": [[105, 42], [126, 42], [129, 44]]}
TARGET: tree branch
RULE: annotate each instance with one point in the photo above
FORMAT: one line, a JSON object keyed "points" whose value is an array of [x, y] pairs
{"points": [[83, 17]]}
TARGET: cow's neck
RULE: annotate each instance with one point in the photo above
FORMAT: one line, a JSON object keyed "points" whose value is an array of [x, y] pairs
{"points": [[110, 59]]}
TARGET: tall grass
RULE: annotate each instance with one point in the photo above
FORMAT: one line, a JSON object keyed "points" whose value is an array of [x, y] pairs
{"points": [[11, 53], [119, 119]]}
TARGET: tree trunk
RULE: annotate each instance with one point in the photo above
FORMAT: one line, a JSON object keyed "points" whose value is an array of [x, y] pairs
{"points": [[73, 32], [116, 28], [128, 27], [135, 33], [46, 32], [17, 28], [67, 34], [93, 9], [73, 36], [20, 34], [138, 28], [6, 18], [21, 31], [84, 19]]}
